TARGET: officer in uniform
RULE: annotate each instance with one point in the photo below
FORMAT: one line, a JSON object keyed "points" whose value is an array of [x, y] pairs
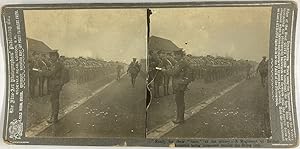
{"points": [[180, 81], [54, 74]]}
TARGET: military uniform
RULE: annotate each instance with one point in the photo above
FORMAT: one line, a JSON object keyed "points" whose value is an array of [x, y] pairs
{"points": [[55, 86], [180, 81], [133, 69]]}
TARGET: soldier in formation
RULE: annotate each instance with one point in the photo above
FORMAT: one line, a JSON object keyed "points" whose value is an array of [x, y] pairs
{"points": [[212, 68], [165, 62], [55, 71], [182, 69], [84, 70], [38, 62], [208, 68], [161, 59]]}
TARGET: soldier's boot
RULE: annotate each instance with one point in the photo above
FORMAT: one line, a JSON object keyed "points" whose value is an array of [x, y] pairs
{"points": [[180, 117], [54, 100], [178, 121]]}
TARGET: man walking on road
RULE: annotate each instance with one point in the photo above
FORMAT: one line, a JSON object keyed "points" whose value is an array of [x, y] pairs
{"points": [[180, 81], [133, 68]]}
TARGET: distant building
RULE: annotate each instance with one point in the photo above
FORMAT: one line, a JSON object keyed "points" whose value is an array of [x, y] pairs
{"points": [[34, 45], [158, 43]]}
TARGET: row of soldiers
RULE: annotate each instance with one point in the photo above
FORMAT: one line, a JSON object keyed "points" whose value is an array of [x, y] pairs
{"points": [[50, 72], [208, 68], [212, 68], [50, 68], [182, 69], [87, 69], [79, 70]]}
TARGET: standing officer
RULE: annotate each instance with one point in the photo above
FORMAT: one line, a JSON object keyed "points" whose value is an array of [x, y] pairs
{"points": [[180, 81], [55, 74]]}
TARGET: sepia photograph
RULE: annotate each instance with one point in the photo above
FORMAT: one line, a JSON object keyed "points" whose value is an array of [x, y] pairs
{"points": [[208, 72], [87, 72], [167, 74]]}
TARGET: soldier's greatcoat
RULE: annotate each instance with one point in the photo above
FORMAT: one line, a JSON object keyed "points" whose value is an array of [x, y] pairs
{"points": [[180, 81], [55, 86]]}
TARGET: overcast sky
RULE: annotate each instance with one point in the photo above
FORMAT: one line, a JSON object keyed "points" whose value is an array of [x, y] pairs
{"points": [[107, 33], [239, 32]]}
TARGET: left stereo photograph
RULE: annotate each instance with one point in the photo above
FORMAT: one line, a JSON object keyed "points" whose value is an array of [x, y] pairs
{"points": [[86, 72]]}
